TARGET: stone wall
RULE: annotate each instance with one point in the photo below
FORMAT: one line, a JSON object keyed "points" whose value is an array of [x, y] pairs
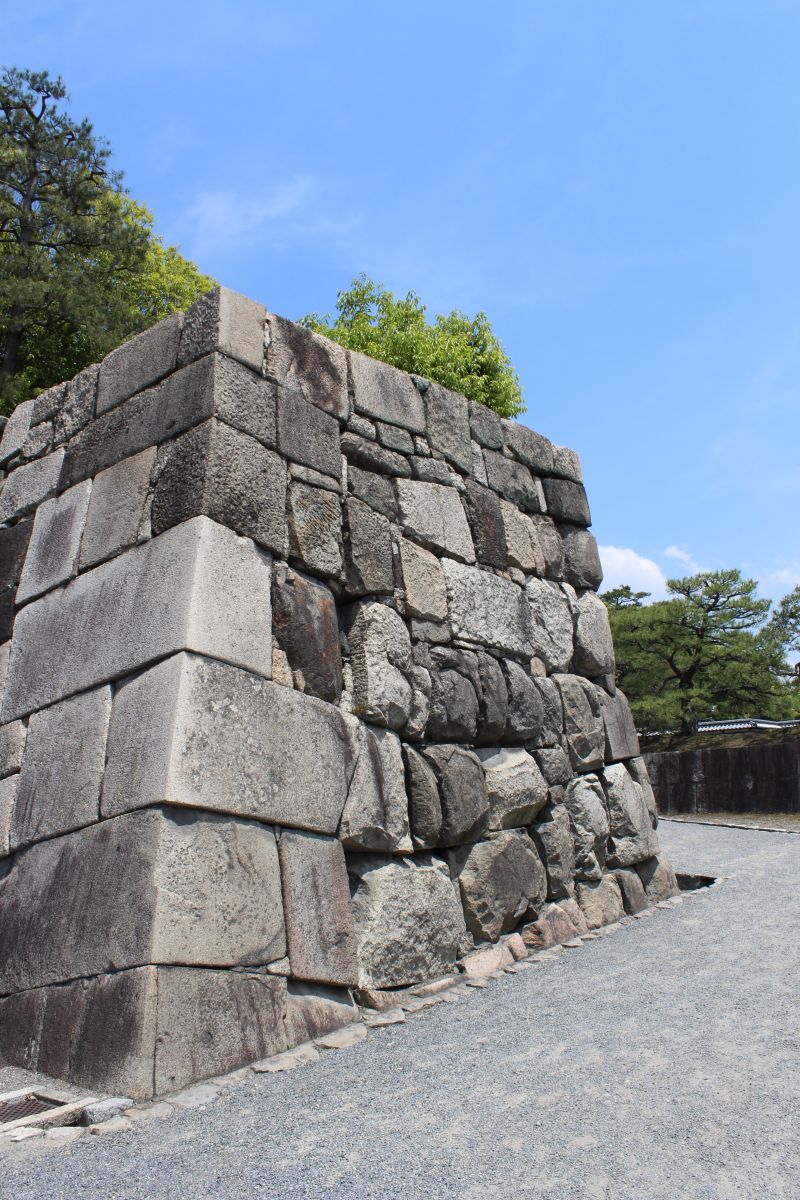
{"points": [[308, 692], [758, 776]]}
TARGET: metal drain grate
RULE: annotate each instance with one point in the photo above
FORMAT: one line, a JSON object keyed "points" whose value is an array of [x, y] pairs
{"points": [[29, 1104]]}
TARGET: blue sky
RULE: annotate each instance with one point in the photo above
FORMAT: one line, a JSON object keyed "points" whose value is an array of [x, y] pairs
{"points": [[616, 183]]}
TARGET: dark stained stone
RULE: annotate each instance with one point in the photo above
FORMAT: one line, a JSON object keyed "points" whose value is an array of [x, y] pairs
{"points": [[307, 363], [566, 501], [424, 805], [550, 545], [453, 712], [553, 839], [555, 765], [634, 896], [492, 701], [447, 424], [394, 437], [513, 480], [305, 627], [622, 741], [529, 447], [371, 457], [462, 787], [581, 559], [307, 434], [552, 712], [486, 426], [525, 709], [486, 523], [374, 490], [315, 530], [368, 551], [13, 548], [658, 878], [431, 470]]}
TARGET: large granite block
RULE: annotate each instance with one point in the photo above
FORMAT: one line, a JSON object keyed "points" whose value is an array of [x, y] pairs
{"points": [[307, 434], [594, 650], [16, 430], [118, 508], [433, 515], [551, 622], [319, 920], [375, 816], [487, 609], [8, 793], [583, 721], [305, 627], [448, 425], [384, 392], [139, 363], [30, 484], [307, 363], [226, 321], [14, 542], [197, 587], [315, 530], [55, 543], [622, 741]]}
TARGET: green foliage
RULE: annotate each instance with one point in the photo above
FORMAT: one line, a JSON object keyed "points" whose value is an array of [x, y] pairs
{"points": [[80, 267], [707, 652], [460, 352]]}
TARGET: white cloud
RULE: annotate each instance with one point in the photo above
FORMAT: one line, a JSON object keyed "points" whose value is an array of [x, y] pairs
{"points": [[622, 565], [778, 582], [683, 556]]}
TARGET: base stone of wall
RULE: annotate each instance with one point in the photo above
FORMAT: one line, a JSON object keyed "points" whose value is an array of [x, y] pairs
{"points": [[306, 694]]}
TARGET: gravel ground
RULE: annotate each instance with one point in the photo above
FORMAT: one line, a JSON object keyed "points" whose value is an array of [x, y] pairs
{"points": [[660, 1062]]}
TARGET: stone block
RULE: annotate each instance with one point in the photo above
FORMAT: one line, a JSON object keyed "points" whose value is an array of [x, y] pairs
{"points": [[638, 770], [486, 426], [423, 580], [28, 485], [586, 804], [581, 559], [583, 722], [431, 470], [514, 481], [551, 623], [316, 899], [553, 838], [525, 709], [529, 447], [658, 878], [548, 545], [307, 434], [62, 771], [315, 530], [632, 890], [552, 727], [197, 587], [566, 501], [226, 321], [164, 886], [486, 523], [567, 464], [487, 609], [553, 927], [370, 457], [447, 424], [385, 393], [375, 815], [462, 790], [55, 543], [394, 437], [308, 364], [424, 805], [632, 839], [381, 649], [117, 511], [14, 541], [305, 627], [515, 788], [313, 1011], [16, 430], [139, 363], [201, 734], [453, 710], [622, 741], [600, 901], [521, 539], [374, 490], [594, 650], [492, 700], [502, 882], [12, 745], [78, 406], [554, 765], [408, 919], [369, 561], [8, 793], [47, 404], [215, 471], [433, 515]]}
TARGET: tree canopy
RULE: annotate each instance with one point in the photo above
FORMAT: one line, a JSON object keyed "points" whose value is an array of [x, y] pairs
{"points": [[457, 351], [709, 651], [81, 269]]}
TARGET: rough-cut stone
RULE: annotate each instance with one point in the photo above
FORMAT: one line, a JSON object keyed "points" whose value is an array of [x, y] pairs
{"points": [[583, 722], [59, 789], [622, 741], [424, 804], [638, 770], [314, 1011], [567, 464], [316, 898], [658, 878], [529, 447], [462, 789], [307, 434], [552, 727], [369, 563], [12, 745], [552, 928], [16, 430], [483, 963], [486, 523], [409, 923], [374, 490], [486, 426], [315, 530], [117, 508], [487, 609], [311, 365], [521, 540], [453, 710], [554, 765], [393, 437], [182, 888], [202, 734], [514, 786], [594, 650], [434, 516], [381, 660], [55, 543], [197, 587], [375, 816], [581, 559], [218, 472], [600, 901], [448, 425], [423, 580], [547, 546], [501, 882], [525, 711], [305, 627], [8, 793], [514, 481], [631, 835], [384, 392], [14, 542], [492, 700], [574, 911], [139, 363], [586, 803], [631, 887], [566, 501], [551, 621], [370, 457], [226, 321], [30, 484], [553, 838]]}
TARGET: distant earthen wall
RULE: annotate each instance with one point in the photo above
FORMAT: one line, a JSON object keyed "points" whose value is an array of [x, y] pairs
{"points": [[755, 778]]}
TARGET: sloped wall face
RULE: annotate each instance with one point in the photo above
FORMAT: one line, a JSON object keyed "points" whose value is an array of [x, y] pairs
{"points": [[308, 692]]}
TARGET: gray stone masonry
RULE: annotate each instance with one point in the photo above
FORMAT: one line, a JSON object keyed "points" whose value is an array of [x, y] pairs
{"points": [[306, 692]]}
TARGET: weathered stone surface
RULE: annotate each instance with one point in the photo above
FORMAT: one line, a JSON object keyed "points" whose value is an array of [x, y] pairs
{"points": [[486, 523], [567, 464], [586, 804], [631, 835], [554, 765], [658, 878], [315, 530], [384, 392], [492, 700], [566, 501], [316, 478], [374, 490], [368, 551], [483, 963], [487, 609], [375, 816], [197, 587], [424, 805], [486, 426], [117, 508], [525, 711], [307, 434], [548, 546], [316, 898], [552, 726], [393, 437], [62, 772], [573, 910], [514, 481], [226, 321], [363, 427], [551, 622], [553, 838], [381, 660], [581, 559], [305, 627], [434, 516], [314, 1011], [218, 472], [423, 580], [14, 542], [622, 741], [202, 734], [243, 399], [638, 770], [583, 722], [55, 543], [631, 887], [552, 928], [601, 901], [502, 882], [409, 923], [370, 457], [448, 425], [16, 430], [521, 540], [139, 363], [462, 789], [514, 787], [311, 365], [453, 711], [8, 793], [12, 745], [47, 404], [529, 447], [30, 484], [78, 407], [594, 650], [182, 888]]}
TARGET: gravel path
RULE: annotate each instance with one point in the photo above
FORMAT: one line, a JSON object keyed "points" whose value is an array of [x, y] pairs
{"points": [[660, 1062]]}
